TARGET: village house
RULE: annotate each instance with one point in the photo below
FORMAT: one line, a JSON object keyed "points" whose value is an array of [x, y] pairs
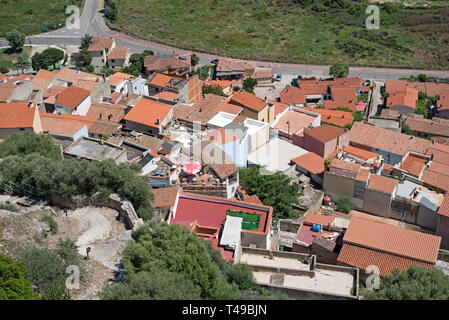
{"points": [[337, 118], [99, 50], [427, 128], [368, 242], [18, 117], [73, 100], [188, 89], [253, 106], [165, 200], [293, 121], [118, 58], [173, 65], [64, 128], [233, 140], [402, 99], [95, 150], [311, 165], [15, 89], [148, 116], [443, 105], [322, 140], [234, 70]]}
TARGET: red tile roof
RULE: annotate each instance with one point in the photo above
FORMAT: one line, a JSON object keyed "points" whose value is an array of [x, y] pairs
{"points": [[165, 197], [17, 115], [324, 133], [381, 183], [100, 43], [225, 170], [310, 162], [345, 165], [61, 125], [147, 112], [444, 208], [362, 258], [429, 88], [335, 117], [248, 100], [414, 165], [118, 77], [72, 97], [292, 95], [443, 102], [360, 153], [367, 135], [119, 53], [116, 112], [44, 74], [402, 96], [342, 97], [385, 237]]}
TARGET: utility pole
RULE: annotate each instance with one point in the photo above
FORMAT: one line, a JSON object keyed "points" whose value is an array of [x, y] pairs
{"points": [[307, 63]]}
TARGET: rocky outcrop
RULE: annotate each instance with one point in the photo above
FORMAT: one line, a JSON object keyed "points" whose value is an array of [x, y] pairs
{"points": [[126, 211]]}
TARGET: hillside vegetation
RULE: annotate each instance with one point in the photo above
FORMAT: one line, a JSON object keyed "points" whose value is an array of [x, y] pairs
{"points": [[29, 16], [412, 34]]}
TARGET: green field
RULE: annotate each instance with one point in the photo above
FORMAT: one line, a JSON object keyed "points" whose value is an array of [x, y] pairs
{"points": [[313, 31], [7, 57], [29, 16]]}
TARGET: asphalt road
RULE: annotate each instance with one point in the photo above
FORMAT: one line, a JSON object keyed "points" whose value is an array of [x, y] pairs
{"points": [[92, 22]]}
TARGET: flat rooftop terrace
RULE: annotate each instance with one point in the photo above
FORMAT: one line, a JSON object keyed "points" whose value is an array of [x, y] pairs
{"points": [[94, 149]]}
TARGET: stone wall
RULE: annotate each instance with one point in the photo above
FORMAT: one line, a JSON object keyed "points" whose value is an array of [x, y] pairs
{"points": [[126, 211]]}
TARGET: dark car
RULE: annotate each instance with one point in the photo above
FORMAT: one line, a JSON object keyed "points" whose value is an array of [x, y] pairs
{"points": [[278, 77]]}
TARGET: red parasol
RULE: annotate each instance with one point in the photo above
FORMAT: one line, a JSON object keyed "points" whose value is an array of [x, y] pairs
{"points": [[192, 167]]}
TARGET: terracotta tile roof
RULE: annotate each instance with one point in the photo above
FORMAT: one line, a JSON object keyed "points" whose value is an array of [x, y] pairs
{"points": [[116, 78], [40, 83], [443, 102], [72, 97], [225, 106], [261, 73], [147, 112], [165, 197], [310, 162], [387, 168], [345, 165], [363, 174], [116, 111], [414, 165], [383, 237], [165, 95], [220, 137], [87, 84], [253, 199], [383, 184], [360, 153], [293, 120], [67, 118], [53, 91], [344, 82], [444, 208], [225, 170], [278, 107], [402, 96], [324, 133], [16, 115], [292, 95], [435, 126], [436, 179], [44, 74], [100, 43], [60, 125], [228, 65], [367, 135], [161, 62], [429, 88], [5, 93], [440, 152], [221, 83], [161, 80], [313, 218], [335, 117], [361, 258], [342, 97], [248, 100], [104, 127], [119, 53]]}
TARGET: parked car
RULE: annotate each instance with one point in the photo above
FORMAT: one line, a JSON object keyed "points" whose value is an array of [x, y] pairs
{"points": [[278, 77], [215, 61]]}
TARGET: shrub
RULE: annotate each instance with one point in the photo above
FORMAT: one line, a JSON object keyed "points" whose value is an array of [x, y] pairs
{"points": [[345, 205], [13, 282], [9, 206], [51, 223]]}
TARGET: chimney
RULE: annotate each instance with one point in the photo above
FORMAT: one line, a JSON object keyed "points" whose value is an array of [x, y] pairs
{"points": [[158, 121]]}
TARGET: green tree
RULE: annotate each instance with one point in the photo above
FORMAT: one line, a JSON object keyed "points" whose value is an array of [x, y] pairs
{"points": [[194, 59], [22, 62], [46, 271], [267, 187], [242, 275], [345, 205], [177, 250], [15, 39], [249, 84], [415, 283], [81, 59], [4, 70], [25, 143], [86, 40], [110, 10], [203, 72], [157, 285], [13, 282], [422, 108], [49, 57], [213, 89], [422, 77], [339, 70]]}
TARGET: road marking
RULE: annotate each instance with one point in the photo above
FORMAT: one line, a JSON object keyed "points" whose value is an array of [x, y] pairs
{"points": [[99, 5]]}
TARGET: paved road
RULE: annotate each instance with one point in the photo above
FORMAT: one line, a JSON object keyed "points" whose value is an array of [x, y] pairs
{"points": [[92, 22]]}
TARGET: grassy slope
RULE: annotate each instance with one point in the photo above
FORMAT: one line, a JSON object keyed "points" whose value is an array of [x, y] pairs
{"points": [[282, 30], [28, 16], [7, 58]]}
